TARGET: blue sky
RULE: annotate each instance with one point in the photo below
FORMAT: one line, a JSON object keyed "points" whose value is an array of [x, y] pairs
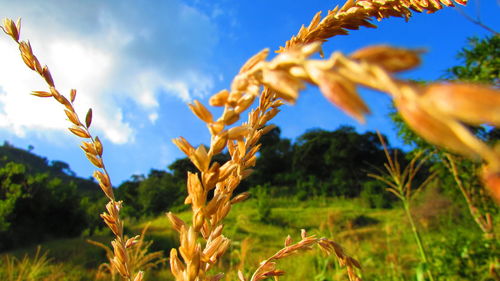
{"points": [[137, 63]]}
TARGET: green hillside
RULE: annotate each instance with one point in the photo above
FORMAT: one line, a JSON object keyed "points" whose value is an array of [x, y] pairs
{"points": [[36, 164], [381, 239]]}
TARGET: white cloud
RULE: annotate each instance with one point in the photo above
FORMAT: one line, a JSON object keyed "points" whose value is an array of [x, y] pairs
{"points": [[112, 52], [153, 117]]}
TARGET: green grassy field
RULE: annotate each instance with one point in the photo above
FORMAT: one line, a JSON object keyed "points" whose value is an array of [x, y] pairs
{"points": [[380, 239]]}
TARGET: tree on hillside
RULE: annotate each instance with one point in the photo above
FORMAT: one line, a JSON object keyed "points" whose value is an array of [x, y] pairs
{"points": [[158, 192], [36, 204], [480, 62], [337, 160], [274, 162], [128, 191]]}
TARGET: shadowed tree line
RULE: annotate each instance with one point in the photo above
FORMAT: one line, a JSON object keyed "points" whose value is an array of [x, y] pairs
{"points": [[319, 163], [48, 199]]}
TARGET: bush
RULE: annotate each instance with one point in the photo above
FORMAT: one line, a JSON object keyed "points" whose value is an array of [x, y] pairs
{"points": [[34, 208], [374, 195], [261, 193]]}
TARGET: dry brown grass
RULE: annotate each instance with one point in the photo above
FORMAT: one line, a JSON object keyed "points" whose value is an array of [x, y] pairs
{"points": [[438, 112], [139, 257], [30, 269], [91, 146]]}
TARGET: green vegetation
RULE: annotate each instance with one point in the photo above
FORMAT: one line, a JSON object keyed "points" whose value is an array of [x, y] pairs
{"points": [[33, 190], [381, 239]]}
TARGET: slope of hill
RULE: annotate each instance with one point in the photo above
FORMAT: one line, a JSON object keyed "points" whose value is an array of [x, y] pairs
{"points": [[37, 164]]}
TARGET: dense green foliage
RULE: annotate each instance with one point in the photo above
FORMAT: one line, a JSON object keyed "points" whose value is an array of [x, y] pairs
{"points": [[480, 62], [37, 164], [36, 207], [318, 163], [41, 201]]}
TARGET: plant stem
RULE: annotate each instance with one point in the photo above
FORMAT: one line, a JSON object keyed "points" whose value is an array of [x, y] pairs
{"points": [[481, 219], [420, 244]]}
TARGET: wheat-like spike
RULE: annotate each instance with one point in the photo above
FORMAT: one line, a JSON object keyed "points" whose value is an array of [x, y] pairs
{"points": [[139, 257], [93, 149], [355, 14], [267, 268]]}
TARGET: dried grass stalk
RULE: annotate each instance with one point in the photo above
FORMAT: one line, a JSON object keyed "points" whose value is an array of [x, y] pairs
{"points": [[268, 268], [139, 257], [93, 151]]}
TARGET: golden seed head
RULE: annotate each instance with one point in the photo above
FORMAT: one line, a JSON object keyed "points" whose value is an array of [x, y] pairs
{"points": [[267, 129], [235, 95], [244, 103], [139, 276], [211, 177], [47, 76], [176, 222], [120, 267], [230, 116], [176, 266], [119, 251], [194, 265], [196, 190], [12, 29], [212, 246], [238, 132], [201, 111], [98, 146], [184, 145], [253, 61], [286, 86], [199, 220], [95, 160], [390, 58], [88, 118], [88, 147], [240, 197], [435, 129], [219, 99], [216, 127], [79, 132], [131, 242], [219, 142], [200, 158], [339, 91], [470, 103], [104, 183], [72, 95], [72, 117], [269, 115]]}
